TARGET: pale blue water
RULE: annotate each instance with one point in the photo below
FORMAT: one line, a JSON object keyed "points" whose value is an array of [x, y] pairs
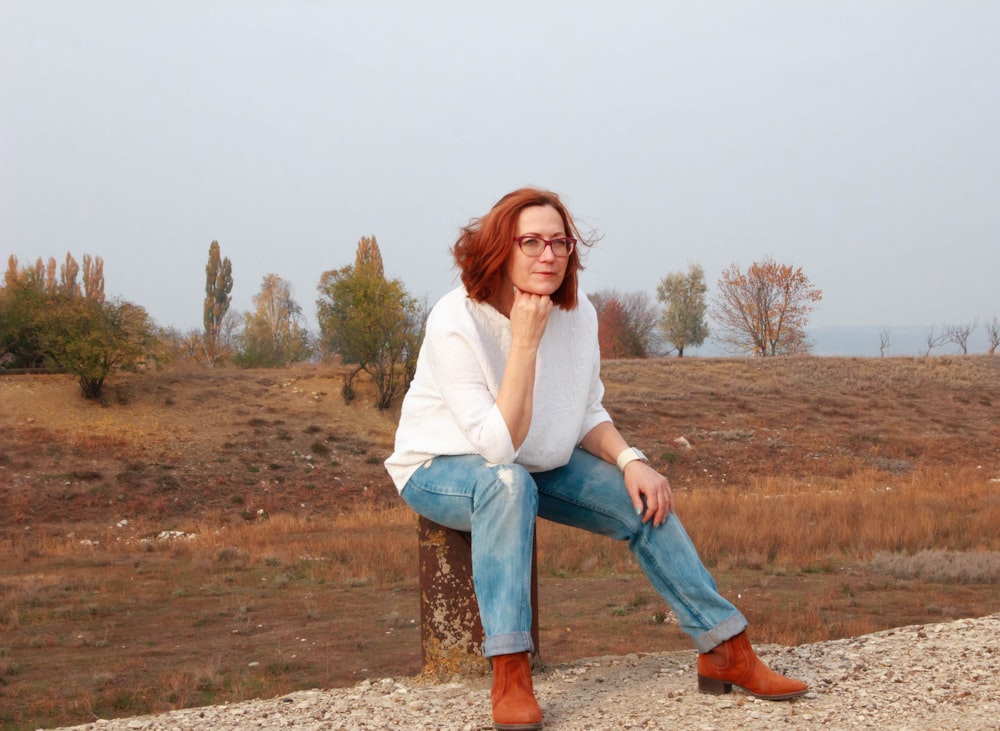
{"points": [[866, 342]]}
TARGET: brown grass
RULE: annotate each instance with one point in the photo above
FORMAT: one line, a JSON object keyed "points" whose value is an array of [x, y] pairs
{"points": [[223, 535]]}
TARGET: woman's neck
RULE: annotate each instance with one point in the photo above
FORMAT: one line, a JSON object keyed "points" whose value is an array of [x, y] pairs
{"points": [[503, 300]]}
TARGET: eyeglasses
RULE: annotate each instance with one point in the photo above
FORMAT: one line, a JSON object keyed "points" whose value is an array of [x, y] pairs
{"points": [[532, 245]]}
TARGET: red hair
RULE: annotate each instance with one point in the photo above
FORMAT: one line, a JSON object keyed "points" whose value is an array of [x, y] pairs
{"points": [[484, 245]]}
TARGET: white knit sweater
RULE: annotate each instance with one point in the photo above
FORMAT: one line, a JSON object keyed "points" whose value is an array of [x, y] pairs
{"points": [[451, 408]]}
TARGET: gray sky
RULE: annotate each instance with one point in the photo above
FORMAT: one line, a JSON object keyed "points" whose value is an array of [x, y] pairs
{"points": [[858, 140]]}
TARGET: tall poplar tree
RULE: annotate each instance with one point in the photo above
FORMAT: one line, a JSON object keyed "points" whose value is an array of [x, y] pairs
{"points": [[218, 296], [93, 277]]}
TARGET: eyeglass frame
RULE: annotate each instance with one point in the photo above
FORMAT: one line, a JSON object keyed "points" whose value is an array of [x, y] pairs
{"points": [[570, 245]]}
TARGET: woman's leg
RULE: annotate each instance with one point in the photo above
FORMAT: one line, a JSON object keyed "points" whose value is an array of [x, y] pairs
{"points": [[589, 493], [498, 504]]}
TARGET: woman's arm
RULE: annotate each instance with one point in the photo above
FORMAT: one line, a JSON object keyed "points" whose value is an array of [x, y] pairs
{"points": [[605, 441], [641, 480], [528, 317]]}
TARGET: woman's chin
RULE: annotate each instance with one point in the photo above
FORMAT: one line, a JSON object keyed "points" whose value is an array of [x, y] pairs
{"points": [[543, 288]]}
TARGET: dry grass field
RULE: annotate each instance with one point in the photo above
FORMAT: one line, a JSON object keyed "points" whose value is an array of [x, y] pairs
{"points": [[206, 536]]}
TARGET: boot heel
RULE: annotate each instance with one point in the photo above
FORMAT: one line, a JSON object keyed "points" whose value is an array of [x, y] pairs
{"points": [[713, 686]]}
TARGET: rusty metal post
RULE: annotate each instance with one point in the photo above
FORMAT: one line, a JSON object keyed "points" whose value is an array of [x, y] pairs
{"points": [[451, 632]]}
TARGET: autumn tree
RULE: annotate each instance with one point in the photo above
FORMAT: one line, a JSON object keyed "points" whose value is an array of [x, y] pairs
{"points": [[22, 303], [68, 273], [32, 300], [610, 326], [218, 296], [764, 311], [372, 322], [92, 339], [683, 321], [93, 278], [368, 258], [13, 272], [274, 334], [626, 323]]}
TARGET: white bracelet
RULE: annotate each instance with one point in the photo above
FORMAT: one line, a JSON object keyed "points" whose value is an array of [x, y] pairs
{"points": [[630, 454]]}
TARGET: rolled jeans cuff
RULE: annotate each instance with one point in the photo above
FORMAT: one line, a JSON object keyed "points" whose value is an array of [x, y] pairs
{"points": [[508, 644], [724, 630]]}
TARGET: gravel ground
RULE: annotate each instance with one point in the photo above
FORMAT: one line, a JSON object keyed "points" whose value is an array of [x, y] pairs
{"points": [[941, 676]]}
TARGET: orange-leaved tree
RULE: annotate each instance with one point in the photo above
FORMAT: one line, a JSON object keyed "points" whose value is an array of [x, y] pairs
{"points": [[626, 323], [764, 312], [611, 329]]}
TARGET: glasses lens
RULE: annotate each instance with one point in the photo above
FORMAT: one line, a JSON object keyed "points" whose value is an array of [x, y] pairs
{"points": [[562, 247], [532, 246]]}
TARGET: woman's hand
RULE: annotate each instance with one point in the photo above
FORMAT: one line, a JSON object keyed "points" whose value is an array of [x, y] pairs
{"points": [[642, 481], [528, 317]]}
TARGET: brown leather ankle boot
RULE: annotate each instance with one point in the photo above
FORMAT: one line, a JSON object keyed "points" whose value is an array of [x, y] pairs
{"points": [[734, 663], [514, 704]]}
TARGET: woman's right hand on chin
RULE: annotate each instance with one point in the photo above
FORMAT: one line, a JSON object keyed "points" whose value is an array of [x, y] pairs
{"points": [[528, 317]]}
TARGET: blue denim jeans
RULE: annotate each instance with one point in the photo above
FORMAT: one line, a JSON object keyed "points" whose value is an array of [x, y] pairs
{"points": [[498, 505]]}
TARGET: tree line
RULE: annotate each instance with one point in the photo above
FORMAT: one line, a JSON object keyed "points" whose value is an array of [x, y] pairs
{"points": [[57, 316], [52, 317], [763, 312]]}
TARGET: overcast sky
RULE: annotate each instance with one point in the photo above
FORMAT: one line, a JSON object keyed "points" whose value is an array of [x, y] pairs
{"points": [[858, 140]]}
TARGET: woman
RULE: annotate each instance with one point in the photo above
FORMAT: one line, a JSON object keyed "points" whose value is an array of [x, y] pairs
{"points": [[504, 422]]}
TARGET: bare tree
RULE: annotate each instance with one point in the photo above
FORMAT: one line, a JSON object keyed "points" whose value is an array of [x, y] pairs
{"points": [[885, 341], [934, 340], [959, 334], [993, 334], [230, 331], [194, 345]]}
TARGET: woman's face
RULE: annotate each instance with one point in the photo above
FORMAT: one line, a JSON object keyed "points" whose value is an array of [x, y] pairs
{"points": [[544, 273]]}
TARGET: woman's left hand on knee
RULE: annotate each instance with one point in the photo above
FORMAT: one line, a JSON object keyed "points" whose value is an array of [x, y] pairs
{"points": [[650, 492]]}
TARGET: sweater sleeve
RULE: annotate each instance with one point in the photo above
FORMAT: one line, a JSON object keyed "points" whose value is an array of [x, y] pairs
{"points": [[467, 381], [595, 413]]}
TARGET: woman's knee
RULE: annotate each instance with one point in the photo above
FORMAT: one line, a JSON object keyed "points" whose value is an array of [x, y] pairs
{"points": [[510, 483]]}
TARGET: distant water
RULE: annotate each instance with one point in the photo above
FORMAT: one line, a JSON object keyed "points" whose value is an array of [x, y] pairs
{"points": [[866, 342]]}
